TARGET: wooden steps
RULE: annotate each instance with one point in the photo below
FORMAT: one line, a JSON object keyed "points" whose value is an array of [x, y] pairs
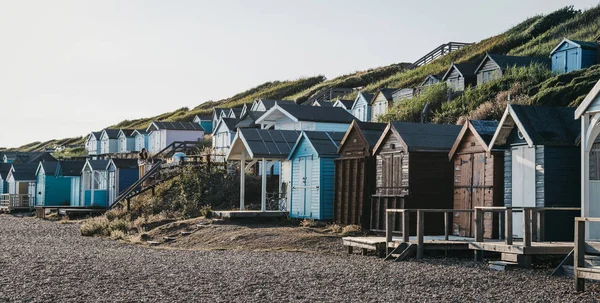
{"points": [[502, 265]]}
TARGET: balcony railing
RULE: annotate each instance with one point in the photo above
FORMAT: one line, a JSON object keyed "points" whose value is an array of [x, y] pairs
{"points": [[14, 201]]}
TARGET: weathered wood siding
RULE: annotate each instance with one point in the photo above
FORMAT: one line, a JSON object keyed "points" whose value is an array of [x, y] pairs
{"points": [[379, 107], [488, 72], [403, 94], [455, 81]]}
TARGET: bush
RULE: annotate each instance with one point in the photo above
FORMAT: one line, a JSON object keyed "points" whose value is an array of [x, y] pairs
{"points": [[206, 211], [117, 235], [335, 228], [98, 226], [308, 223], [351, 230]]}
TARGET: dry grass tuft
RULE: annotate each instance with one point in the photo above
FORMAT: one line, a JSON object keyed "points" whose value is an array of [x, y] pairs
{"points": [[308, 223], [334, 228], [350, 230]]}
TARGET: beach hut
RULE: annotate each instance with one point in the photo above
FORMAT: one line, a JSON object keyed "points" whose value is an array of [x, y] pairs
{"points": [[297, 117], [413, 172], [121, 173], [494, 66], [312, 159], [126, 141], [345, 104], [71, 170], [478, 176], [94, 183], [589, 113], [542, 166], [322, 103], [355, 174], [109, 141], [4, 169], [571, 55], [381, 102], [162, 134], [205, 122], [269, 146], [218, 113], [361, 108], [223, 136], [263, 105], [403, 94], [429, 81], [21, 183], [141, 139], [460, 76], [92, 143], [50, 189]]}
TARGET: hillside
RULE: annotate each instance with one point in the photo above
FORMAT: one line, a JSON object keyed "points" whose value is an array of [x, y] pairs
{"points": [[536, 36]]}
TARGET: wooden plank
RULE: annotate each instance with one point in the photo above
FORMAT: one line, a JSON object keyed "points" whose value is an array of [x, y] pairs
{"points": [[526, 227], [447, 224], [405, 227], [420, 233], [508, 217], [579, 255]]}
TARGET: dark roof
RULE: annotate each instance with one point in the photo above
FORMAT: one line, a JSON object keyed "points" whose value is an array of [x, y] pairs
{"points": [[125, 163], [485, 129], [586, 44], [4, 169], [112, 133], [387, 92], [346, 103], [97, 134], [372, 131], [177, 125], [71, 168], [549, 125], [26, 167], [515, 61], [230, 122], [24, 176], [324, 103], [237, 111], [325, 143], [268, 103], [204, 117], [269, 142], [33, 157], [49, 168], [142, 131], [128, 132], [436, 137], [98, 164], [218, 111], [436, 77], [318, 114], [465, 69], [249, 119], [367, 96]]}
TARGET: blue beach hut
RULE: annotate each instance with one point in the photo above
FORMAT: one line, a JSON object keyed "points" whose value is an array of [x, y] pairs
{"points": [[71, 170], [94, 183], [122, 173], [572, 55], [50, 189]]}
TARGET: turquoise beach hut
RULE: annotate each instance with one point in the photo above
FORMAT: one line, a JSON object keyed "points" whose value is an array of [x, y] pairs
{"points": [[122, 173], [71, 170], [313, 168], [94, 183], [50, 189]]}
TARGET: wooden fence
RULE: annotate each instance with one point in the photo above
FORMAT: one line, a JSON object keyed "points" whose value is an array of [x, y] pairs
{"points": [[583, 247]]}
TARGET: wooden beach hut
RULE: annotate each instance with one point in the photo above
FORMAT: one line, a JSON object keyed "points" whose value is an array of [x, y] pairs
{"points": [[94, 183], [413, 172], [478, 177], [542, 166], [205, 122], [312, 159], [223, 137], [571, 55], [71, 170], [162, 134], [355, 174], [403, 94], [121, 173], [427, 82], [361, 108], [126, 141], [345, 104], [92, 143], [460, 76], [381, 102], [493, 66], [4, 169], [21, 183], [109, 141], [311, 118], [141, 139], [50, 189]]}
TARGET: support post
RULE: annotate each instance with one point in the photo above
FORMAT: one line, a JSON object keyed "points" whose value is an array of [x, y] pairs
{"points": [[263, 198], [540, 222], [478, 254], [534, 224], [579, 255], [447, 220], [526, 227], [508, 216], [420, 232], [243, 180], [405, 226], [389, 229]]}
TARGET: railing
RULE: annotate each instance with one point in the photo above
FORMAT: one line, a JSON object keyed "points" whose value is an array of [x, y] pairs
{"points": [[405, 224], [12, 201], [125, 194], [439, 51], [174, 147], [580, 272]]}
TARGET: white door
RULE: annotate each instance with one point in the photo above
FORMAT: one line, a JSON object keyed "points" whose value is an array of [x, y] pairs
{"points": [[41, 190], [31, 192], [112, 187], [523, 184]]}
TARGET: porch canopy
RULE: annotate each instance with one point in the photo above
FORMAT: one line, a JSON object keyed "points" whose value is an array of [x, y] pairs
{"points": [[267, 145]]}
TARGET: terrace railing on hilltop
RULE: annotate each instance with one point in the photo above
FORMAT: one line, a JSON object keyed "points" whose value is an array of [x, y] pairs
{"points": [[439, 51]]}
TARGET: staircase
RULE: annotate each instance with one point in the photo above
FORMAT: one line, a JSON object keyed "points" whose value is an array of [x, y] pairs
{"points": [[439, 51], [402, 252]]}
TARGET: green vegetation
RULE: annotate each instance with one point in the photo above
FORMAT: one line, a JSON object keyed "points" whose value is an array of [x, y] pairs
{"points": [[536, 36]]}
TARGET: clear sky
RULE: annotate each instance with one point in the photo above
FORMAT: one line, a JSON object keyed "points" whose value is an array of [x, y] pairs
{"points": [[69, 67]]}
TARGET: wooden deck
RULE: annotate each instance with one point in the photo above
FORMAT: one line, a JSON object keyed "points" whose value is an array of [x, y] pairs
{"points": [[241, 214], [378, 244], [518, 248], [41, 211]]}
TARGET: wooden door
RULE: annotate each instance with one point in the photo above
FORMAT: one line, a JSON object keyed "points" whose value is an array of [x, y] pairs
{"points": [[572, 60], [523, 184], [112, 187], [41, 190], [559, 62], [463, 168]]}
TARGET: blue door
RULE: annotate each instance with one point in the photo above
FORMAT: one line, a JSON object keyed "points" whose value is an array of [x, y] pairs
{"points": [[303, 188], [559, 64], [572, 55]]}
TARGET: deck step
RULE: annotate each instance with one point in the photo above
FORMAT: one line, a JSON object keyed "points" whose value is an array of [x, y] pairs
{"points": [[502, 265], [410, 251], [397, 251]]}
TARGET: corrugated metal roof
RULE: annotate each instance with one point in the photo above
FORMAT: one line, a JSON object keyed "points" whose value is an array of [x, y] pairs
{"points": [[318, 114], [269, 143], [178, 125], [70, 168], [485, 129], [418, 136], [549, 125]]}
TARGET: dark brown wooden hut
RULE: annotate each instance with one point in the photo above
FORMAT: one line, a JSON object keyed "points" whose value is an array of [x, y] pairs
{"points": [[413, 172], [478, 177], [355, 174]]}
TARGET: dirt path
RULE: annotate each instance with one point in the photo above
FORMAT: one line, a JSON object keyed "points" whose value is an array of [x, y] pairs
{"points": [[44, 261]]}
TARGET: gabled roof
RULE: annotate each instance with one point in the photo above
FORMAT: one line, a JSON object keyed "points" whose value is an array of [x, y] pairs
{"points": [[111, 133], [262, 143], [483, 130], [49, 168], [95, 135], [464, 69], [23, 176], [157, 125], [25, 167], [237, 111], [69, 168], [387, 94], [582, 44], [202, 118], [217, 111], [123, 163], [4, 169], [590, 99], [229, 122], [269, 103], [324, 143], [249, 119], [421, 137], [365, 96], [322, 103], [435, 77], [503, 62], [32, 157], [370, 132], [96, 164], [554, 126], [347, 104], [126, 132], [140, 132], [310, 113]]}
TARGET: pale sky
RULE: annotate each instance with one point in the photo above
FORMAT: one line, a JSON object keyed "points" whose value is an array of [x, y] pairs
{"points": [[69, 67]]}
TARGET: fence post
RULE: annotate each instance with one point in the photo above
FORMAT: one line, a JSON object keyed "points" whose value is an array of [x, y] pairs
{"points": [[478, 254], [447, 224], [540, 222], [526, 227], [508, 216], [420, 231], [389, 228], [579, 255], [534, 225], [405, 227]]}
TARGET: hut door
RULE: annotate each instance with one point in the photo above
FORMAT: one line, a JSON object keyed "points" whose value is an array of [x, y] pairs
{"points": [[523, 184], [41, 190], [112, 190], [303, 187], [463, 185]]}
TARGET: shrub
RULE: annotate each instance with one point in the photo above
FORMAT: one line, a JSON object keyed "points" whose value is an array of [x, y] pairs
{"points": [[334, 228], [206, 211], [119, 224], [117, 235], [98, 226], [350, 230], [308, 223]]}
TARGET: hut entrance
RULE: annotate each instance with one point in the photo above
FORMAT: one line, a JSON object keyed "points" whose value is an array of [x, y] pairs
{"points": [[469, 190], [304, 189], [523, 188]]}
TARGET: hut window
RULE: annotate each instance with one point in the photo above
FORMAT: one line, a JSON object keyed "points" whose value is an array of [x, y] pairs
{"points": [[595, 162]]}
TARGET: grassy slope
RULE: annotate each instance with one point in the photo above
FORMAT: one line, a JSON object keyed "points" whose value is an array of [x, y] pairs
{"points": [[535, 36]]}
